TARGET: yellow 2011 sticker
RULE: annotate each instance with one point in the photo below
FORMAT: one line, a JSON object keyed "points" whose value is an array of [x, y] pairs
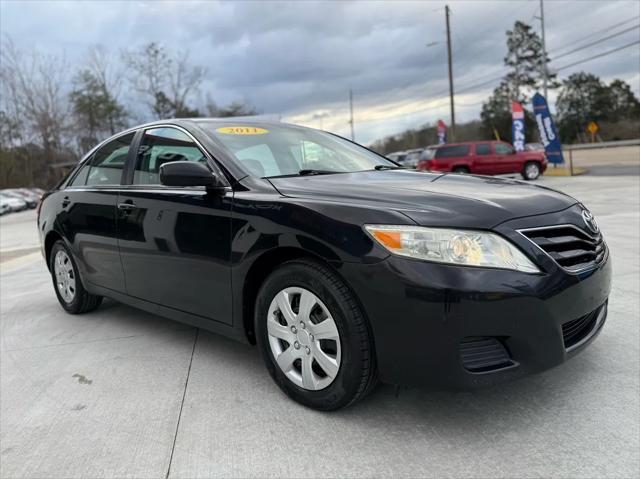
{"points": [[242, 130]]}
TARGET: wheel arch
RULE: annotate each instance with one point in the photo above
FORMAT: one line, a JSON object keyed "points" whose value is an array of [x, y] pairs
{"points": [[262, 267], [49, 241]]}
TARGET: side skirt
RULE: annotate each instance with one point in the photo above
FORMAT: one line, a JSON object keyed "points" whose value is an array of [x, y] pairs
{"points": [[170, 313]]}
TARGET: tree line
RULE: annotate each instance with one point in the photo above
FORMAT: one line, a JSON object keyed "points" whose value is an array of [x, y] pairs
{"points": [[51, 115], [582, 98]]}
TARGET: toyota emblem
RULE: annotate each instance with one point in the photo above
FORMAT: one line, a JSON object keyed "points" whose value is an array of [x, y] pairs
{"points": [[590, 221]]}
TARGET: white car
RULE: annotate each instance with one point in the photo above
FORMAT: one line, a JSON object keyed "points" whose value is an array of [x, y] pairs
{"points": [[15, 204], [4, 206]]}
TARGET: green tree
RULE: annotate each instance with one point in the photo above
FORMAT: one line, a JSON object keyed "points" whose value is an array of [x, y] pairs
{"points": [[97, 113], [583, 97], [623, 104], [527, 62]]}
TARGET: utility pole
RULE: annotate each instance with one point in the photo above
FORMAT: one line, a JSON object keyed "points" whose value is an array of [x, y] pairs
{"points": [[453, 115], [544, 52], [353, 136]]}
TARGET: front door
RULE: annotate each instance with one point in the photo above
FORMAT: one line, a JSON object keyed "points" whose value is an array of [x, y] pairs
{"points": [[175, 242], [507, 158]]}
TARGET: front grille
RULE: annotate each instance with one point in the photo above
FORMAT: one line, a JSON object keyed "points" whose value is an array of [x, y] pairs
{"points": [[569, 246], [574, 331], [483, 354]]}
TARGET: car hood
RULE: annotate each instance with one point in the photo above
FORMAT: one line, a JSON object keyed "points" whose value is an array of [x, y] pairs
{"points": [[430, 199]]}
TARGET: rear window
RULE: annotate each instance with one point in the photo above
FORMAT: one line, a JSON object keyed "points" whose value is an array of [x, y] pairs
{"points": [[452, 151], [483, 149]]}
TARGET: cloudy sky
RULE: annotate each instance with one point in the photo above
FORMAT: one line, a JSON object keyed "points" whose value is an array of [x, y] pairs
{"points": [[298, 60]]}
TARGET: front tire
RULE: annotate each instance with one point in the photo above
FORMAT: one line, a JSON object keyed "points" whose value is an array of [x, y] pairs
{"points": [[67, 283], [531, 171], [313, 336], [461, 170]]}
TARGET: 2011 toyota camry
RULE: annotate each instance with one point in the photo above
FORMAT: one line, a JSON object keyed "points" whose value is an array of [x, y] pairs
{"points": [[344, 268]]}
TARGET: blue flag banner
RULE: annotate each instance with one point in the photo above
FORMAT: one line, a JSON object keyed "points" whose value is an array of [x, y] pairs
{"points": [[547, 129]]}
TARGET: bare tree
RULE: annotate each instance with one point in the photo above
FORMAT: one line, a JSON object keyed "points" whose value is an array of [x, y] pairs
{"points": [[34, 102], [166, 81]]}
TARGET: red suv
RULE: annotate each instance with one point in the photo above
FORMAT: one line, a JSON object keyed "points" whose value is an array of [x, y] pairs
{"points": [[485, 158]]}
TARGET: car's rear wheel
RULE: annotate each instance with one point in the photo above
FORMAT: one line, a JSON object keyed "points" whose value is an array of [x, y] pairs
{"points": [[67, 283], [461, 170], [531, 171], [313, 336]]}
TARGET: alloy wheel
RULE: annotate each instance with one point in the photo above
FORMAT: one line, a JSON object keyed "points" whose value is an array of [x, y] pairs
{"points": [[65, 277], [532, 171]]}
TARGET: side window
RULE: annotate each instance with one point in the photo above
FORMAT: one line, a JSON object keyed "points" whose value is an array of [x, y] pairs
{"points": [[81, 176], [106, 165], [504, 149], [159, 146], [483, 149], [452, 151], [259, 160]]}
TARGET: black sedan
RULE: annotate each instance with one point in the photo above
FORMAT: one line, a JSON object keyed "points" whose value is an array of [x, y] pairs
{"points": [[344, 268]]}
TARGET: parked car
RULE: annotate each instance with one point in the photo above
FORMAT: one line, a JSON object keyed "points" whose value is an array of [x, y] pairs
{"points": [[486, 158], [341, 266], [15, 202], [397, 156], [411, 158], [30, 200], [534, 146], [428, 153], [5, 207]]}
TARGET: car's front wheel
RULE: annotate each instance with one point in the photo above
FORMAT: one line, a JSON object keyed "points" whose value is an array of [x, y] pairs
{"points": [[313, 336], [531, 171], [67, 284]]}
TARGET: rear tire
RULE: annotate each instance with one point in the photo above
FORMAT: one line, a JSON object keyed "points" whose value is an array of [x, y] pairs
{"points": [[531, 171], [461, 170], [67, 282], [296, 360]]}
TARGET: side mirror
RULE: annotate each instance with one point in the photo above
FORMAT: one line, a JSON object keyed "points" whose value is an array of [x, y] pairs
{"points": [[187, 173]]}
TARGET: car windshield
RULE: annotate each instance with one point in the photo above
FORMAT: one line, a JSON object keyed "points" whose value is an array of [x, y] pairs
{"points": [[284, 150]]}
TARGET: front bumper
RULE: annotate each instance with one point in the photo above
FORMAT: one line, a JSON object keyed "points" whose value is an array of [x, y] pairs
{"points": [[422, 314]]}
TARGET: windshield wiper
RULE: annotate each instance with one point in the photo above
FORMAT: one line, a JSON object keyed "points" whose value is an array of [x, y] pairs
{"points": [[315, 172], [389, 167]]}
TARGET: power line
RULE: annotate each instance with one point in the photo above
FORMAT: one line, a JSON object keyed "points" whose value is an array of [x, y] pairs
{"points": [[595, 42], [609, 52], [597, 32]]}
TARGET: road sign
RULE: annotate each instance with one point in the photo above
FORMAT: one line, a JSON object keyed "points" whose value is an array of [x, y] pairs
{"points": [[593, 128]]}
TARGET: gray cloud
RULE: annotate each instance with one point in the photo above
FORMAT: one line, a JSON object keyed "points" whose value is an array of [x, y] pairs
{"points": [[292, 58]]}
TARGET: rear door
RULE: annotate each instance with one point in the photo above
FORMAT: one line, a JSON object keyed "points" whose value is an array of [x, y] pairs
{"points": [[87, 213], [452, 156], [484, 159], [175, 242]]}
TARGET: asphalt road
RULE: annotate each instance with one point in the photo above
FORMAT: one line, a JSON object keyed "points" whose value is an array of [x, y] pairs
{"points": [[122, 393]]}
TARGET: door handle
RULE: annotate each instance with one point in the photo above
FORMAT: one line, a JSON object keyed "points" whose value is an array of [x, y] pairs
{"points": [[66, 202], [126, 207]]}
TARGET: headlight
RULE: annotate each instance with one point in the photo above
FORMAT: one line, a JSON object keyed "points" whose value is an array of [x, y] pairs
{"points": [[463, 247]]}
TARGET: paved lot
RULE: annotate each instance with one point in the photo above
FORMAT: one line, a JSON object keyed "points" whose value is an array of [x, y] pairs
{"points": [[122, 393]]}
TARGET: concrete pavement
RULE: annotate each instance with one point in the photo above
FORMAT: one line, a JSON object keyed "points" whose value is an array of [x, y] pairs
{"points": [[122, 393]]}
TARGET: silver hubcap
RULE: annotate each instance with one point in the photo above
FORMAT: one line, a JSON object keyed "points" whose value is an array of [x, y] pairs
{"points": [[65, 278], [531, 171], [304, 338]]}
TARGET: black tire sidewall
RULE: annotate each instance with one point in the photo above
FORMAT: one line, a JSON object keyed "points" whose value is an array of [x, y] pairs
{"points": [[75, 305], [460, 170], [347, 383]]}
